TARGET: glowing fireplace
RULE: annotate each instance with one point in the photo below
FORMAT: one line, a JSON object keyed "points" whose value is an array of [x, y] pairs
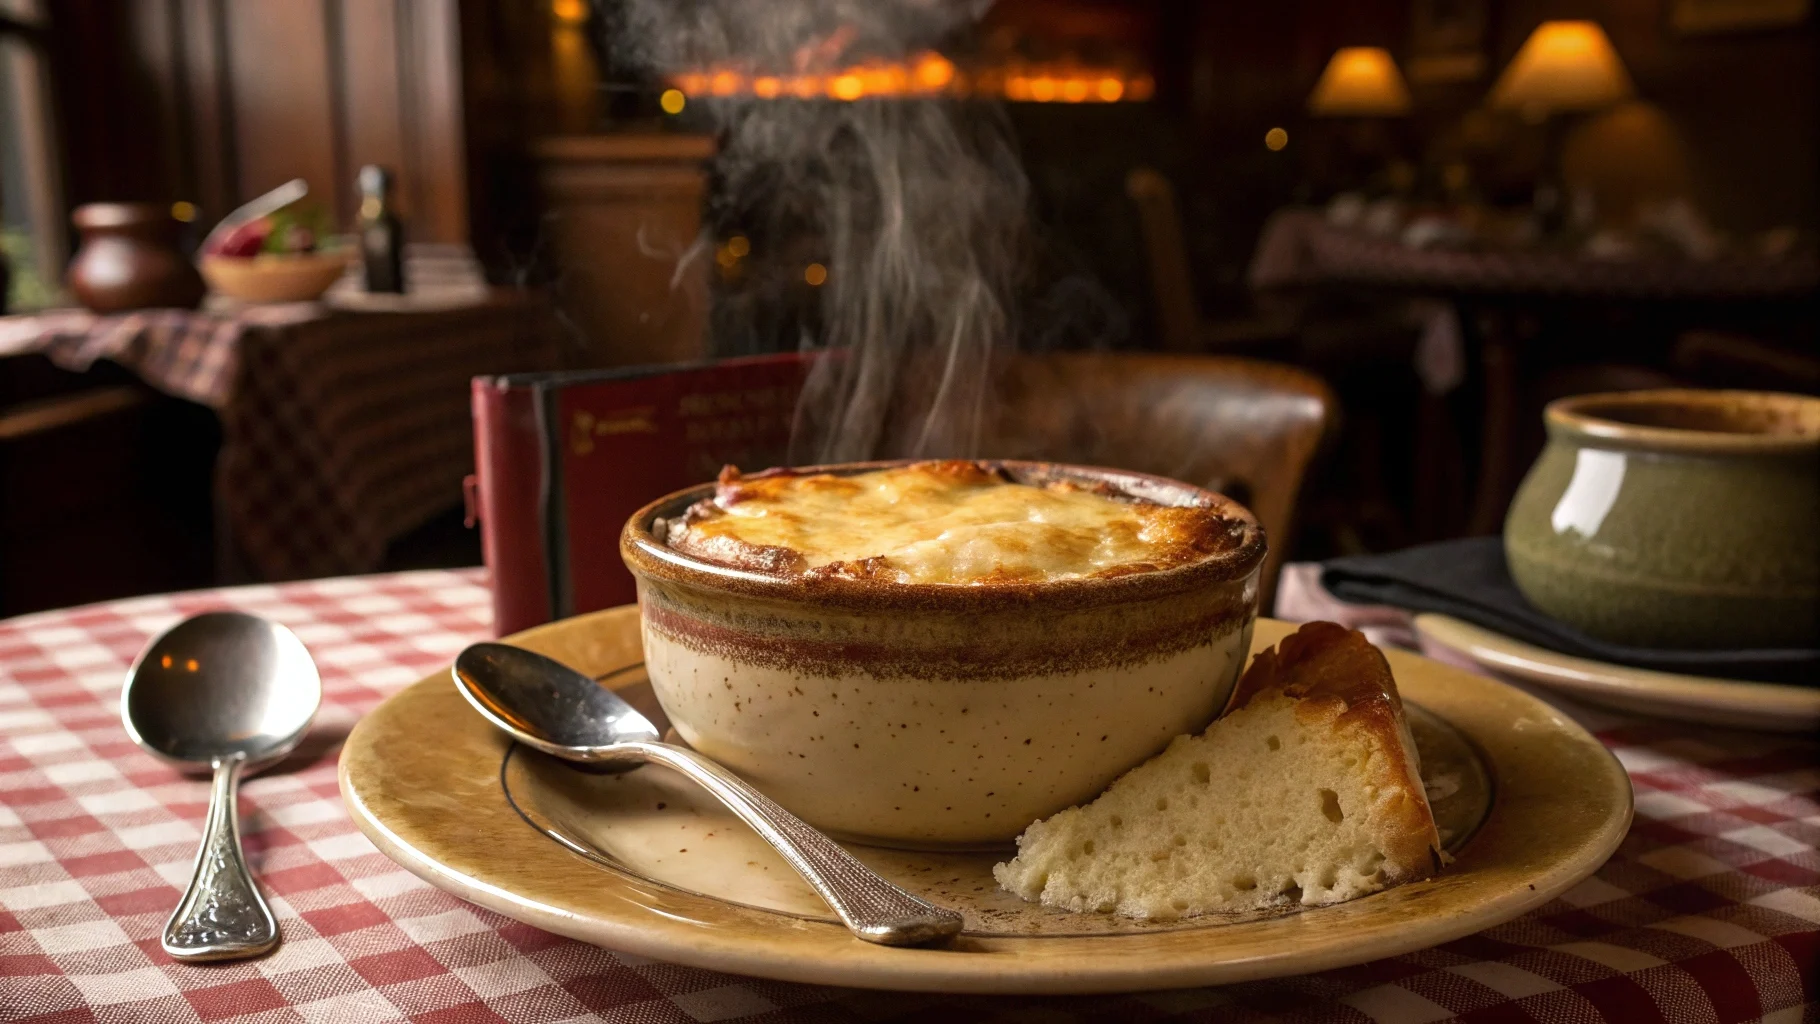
{"points": [[930, 74], [1024, 51]]}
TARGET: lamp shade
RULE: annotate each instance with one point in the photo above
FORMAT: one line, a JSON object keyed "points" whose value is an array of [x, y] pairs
{"points": [[1360, 81], [1563, 66]]}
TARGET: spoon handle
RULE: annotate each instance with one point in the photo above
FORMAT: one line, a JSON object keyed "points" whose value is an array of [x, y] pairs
{"points": [[872, 907], [221, 916]]}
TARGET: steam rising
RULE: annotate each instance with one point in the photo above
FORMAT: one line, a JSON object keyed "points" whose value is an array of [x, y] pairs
{"points": [[920, 207]]}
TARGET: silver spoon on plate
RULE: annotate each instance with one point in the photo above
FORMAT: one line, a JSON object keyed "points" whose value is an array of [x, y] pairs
{"points": [[549, 706], [228, 693]]}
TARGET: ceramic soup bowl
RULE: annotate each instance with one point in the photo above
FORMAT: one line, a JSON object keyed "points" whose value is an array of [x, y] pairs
{"points": [[1675, 518], [929, 715]]}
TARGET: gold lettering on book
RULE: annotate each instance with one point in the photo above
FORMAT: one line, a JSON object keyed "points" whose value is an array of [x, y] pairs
{"points": [[726, 429], [581, 433], [725, 403], [640, 420], [736, 417], [586, 426]]}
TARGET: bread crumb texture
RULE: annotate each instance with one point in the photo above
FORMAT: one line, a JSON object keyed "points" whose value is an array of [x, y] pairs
{"points": [[1306, 791]]}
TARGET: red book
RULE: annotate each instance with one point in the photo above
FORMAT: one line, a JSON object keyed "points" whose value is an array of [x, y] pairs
{"points": [[563, 460]]}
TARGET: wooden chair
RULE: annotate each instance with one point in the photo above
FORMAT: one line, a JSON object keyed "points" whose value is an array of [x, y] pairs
{"points": [[1243, 427]]}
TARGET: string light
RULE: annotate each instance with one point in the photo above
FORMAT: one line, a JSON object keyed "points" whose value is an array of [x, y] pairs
{"points": [[672, 101], [1275, 139], [183, 211], [815, 274]]}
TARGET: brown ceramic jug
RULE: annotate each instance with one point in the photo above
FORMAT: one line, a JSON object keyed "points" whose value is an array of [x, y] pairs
{"points": [[129, 259]]}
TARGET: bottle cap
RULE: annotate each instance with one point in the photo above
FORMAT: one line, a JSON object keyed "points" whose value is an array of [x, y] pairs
{"points": [[374, 179]]}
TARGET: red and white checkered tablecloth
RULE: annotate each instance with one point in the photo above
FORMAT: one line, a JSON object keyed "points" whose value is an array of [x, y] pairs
{"points": [[1708, 914]]}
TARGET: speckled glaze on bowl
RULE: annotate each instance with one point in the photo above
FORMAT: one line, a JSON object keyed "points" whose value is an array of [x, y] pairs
{"points": [[929, 715], [1675, 518]]}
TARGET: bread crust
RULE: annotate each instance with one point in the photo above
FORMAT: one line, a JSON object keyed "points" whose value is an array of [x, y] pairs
{"points": [[1339, 680]]}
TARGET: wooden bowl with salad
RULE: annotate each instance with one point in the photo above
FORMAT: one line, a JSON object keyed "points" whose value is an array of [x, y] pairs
{"points": [[286, 256]]}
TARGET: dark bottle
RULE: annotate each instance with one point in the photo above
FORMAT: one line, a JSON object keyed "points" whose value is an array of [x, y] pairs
{"points": [[381, 232]]}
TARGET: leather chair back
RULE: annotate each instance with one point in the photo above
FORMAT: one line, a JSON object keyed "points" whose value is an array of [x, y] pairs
{"points": [[1242, 427]]}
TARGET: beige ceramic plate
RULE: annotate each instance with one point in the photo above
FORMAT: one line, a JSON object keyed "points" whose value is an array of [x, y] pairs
{"points": [[640, 863], [1732, 702]]}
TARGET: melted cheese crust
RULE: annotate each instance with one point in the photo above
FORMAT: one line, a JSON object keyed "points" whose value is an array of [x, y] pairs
{"points": [[951, 522]]}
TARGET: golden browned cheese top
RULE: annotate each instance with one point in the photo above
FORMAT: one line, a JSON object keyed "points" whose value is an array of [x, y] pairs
{"points": [[952, 522]]}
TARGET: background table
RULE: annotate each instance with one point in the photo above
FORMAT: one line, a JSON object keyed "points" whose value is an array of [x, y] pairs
{"points": [[341, 430], [1709, 912], [1300, 247]]}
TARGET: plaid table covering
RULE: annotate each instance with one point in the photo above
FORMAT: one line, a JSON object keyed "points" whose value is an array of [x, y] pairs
{"points": [[1300, 247], [1709, 913], [340, 431]]}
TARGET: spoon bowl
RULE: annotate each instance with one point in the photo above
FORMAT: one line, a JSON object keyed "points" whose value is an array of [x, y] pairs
{"points": [[218, 685], [228, 693], [545, 704], [549, 706]]}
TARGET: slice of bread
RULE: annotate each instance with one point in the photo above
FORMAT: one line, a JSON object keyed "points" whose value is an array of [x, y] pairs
{"points": [[1307, 790]]}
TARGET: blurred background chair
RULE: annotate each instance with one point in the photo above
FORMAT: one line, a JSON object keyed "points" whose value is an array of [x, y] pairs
{"points": [[1180, 324], [1731, 360], [1246, 428]]}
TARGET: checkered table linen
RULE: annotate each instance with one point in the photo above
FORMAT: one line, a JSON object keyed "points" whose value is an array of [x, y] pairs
{"points": [[340, 431], [1708, 914]]}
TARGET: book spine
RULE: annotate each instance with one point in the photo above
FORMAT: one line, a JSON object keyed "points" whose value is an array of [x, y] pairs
{"points": [[509, 463]]}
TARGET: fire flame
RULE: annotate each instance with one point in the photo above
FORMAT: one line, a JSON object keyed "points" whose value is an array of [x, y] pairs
{"points": [[929, 74]]}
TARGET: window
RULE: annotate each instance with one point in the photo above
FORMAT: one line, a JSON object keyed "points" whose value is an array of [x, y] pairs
{"points": [[32, 242]]}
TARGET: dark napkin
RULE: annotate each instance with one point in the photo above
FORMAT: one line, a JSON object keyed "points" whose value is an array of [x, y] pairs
{"points": [[1468, 580]]}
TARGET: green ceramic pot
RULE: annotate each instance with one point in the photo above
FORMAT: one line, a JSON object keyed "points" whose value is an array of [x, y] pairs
{"points": [[1675, 518]]}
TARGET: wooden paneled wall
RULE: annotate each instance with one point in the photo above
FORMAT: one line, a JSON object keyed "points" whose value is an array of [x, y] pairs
{"points": [[216, 101]]}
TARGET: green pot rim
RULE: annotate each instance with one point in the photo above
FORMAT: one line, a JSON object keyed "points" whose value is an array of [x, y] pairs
{"points": [[1598, 420]]}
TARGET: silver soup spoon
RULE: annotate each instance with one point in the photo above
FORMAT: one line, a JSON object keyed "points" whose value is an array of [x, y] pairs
{"points": [[549, 706], [230, 693]]}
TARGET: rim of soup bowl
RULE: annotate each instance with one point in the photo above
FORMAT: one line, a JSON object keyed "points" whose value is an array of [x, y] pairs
{"points": [[647, 556]]}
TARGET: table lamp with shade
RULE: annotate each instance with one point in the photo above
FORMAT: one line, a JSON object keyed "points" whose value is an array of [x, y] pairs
{"points": [[1362, 88], [1564, 69], [1360, 81]]}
